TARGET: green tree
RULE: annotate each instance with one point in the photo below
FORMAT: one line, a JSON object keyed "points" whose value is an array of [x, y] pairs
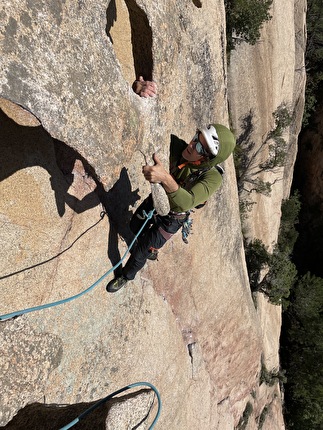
{"points": [[244, 19], [257, 259], [273, 150], [279, 279], [275, 274], [279, 272], [305, 352], [307, 310], [313, 58], [287, 232]]}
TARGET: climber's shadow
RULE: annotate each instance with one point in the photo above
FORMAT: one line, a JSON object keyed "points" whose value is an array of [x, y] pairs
{"points": [[23, 146], [38, 416], [116, 202]]}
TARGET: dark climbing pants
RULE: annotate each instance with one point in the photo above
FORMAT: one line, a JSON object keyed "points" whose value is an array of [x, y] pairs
{"points": [[155, 234]]}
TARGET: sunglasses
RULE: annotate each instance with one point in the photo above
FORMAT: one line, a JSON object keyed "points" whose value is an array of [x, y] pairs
{"points": [[199, 147]]}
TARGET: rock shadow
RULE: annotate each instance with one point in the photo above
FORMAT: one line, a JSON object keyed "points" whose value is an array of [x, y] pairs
{"points": [[245, 142], [247, 128], [38, 416], [141, 36], [23, 146]]}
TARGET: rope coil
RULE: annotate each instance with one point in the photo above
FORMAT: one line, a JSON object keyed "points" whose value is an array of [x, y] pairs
{"points": [[121, 390]]}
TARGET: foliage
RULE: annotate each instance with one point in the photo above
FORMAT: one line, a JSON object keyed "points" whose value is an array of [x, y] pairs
{"points": [[313, 58], [243, 422], [245, 207], [280, 272], [305, 352], [287, 232], [275, 274], [273, 149], [280, 278], [263, 416], [271, 377], [257, 258], [244, 19]]}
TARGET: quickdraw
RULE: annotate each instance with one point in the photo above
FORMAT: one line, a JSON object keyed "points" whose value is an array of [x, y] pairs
{"points": [[187, 229]]}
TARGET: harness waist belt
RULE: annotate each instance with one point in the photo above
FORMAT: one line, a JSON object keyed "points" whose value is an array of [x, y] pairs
{"points": [[179, 215]]}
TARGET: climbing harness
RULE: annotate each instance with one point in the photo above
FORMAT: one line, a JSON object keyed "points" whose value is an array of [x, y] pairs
{"points": [[100, 402], [190, 180], [69, 299]]}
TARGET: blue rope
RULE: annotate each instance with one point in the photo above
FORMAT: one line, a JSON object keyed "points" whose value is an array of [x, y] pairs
{"points": [[100, 402], [69, 299]]}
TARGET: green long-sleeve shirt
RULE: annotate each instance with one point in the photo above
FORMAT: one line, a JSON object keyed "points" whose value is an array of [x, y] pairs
{"points": [[196, 189]]}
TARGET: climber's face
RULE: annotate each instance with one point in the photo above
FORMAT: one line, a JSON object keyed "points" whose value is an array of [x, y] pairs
{"points": [[196, 149]]}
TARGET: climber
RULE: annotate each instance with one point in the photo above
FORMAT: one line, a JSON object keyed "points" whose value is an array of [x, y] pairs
{"points": [[145, 88], [194, 176]]}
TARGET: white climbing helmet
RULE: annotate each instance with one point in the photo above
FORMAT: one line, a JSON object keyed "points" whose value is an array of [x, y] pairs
{"points": [[211, 138]]}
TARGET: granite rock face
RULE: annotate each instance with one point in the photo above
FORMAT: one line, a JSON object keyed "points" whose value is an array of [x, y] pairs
{"points": [[72, 136]]}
